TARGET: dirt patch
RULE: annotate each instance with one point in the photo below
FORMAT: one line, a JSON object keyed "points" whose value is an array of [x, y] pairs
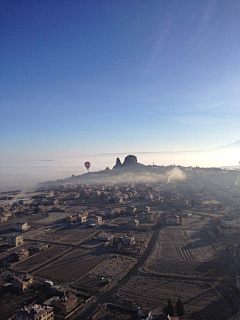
{"points": [[39, 258], [107, 274], [71, 266]]}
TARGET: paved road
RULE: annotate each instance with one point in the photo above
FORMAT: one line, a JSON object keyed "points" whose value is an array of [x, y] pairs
{"points": [[109, 295]]}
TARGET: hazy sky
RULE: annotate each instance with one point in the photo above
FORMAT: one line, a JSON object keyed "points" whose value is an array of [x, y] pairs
{"points": [[80, 77]]}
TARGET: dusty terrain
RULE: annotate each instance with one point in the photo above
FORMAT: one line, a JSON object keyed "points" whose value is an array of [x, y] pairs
{"points": [[184, 250], [38, 259], [199, 298], [107, 273], [71, 266]]}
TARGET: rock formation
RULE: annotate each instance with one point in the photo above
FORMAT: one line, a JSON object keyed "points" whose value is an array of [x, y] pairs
{"points": [[128, 161]]}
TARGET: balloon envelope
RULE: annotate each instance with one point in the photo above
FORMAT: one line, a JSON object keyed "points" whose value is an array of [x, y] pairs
{"points": [[87, 164]]}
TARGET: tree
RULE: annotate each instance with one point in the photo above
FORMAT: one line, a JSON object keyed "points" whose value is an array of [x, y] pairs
{"points": [[180, 307], [169, 309]]}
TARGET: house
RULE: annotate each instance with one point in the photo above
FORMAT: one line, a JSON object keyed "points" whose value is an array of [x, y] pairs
{"points": [[25, 201], [82, 218], [21, 226], [37, 248], [66, 303], [19, 255], [7, 214], [226, 231], [71, 218], [147, 217], [228, 221], [131, 210], [3, 218], [15, 240], [94, 219], [104, 237], [174, 219], [35, 312], [132, 224], [22, 283], [126, 241]]}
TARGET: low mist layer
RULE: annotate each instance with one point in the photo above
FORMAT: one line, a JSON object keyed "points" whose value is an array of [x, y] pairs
{"points": [[22, 174]]}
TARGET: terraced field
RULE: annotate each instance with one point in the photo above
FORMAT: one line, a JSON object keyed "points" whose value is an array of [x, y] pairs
{"points": [[187, 252]]}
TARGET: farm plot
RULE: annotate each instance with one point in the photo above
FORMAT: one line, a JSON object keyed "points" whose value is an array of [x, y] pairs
{"points": [[71, 235], [186, 252], [71, 266], [109, 272], [113, 312], [39, 258], [198, 298]]}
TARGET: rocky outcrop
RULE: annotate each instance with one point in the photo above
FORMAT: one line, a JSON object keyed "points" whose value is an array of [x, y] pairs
{"points": [[128, 161], [118, 164]]}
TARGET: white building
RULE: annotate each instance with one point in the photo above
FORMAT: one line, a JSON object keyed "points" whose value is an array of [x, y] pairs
{"points": [[21, 226], [94, 219], [228, 221], [35, 312]]}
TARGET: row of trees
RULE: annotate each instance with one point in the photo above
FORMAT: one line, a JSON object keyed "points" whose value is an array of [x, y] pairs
{"points": [[179, 308]]}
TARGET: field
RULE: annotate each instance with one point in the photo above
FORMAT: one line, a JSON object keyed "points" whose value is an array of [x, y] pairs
{"points": [[198, 298], [187, 252], [39, 258], [71, 235], [111, 312], [113, 268], [71, 266]]}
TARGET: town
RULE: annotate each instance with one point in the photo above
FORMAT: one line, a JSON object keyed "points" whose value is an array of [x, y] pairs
{"points": [[126, 243]]}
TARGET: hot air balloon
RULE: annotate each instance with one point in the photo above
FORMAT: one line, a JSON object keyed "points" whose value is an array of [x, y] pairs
{"points": [[87, 165]]}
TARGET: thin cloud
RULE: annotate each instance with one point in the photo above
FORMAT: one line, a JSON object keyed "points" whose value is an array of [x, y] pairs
{"points": [[203, 26], [198, 120], [164, 32]]}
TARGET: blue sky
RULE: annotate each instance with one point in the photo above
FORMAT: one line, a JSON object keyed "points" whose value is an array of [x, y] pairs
{"points": [[80, 77]]}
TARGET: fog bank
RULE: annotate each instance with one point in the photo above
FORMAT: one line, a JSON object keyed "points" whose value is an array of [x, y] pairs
{"points": [[21, 174]]}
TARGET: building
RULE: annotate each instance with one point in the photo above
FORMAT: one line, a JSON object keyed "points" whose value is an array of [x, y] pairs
{"points": [[3, 218], [132, 224], [226, 231], [15, 240], [22, 283], [25, 201], [147, 217], [21, 226], [94, 219], [71, 218], [104, 237], [19, 255], [66, 303], [228, 221], [126, 241], [82, 218], [37, 248], [174, 219], [35, 312], [131, 210]]}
